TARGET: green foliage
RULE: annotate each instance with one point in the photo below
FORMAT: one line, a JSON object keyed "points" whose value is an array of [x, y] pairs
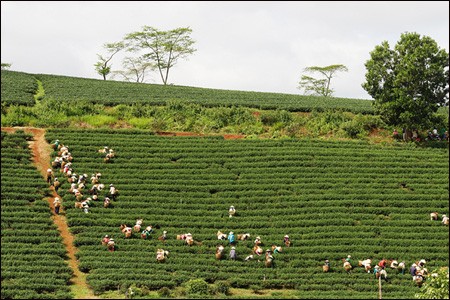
{"points": [[99, 120], [361, 125], [410, 82], [141, 123], [340, 190], [327, 122], [223, 287], [320, 87], [18, 88], [435, 286], [161, 48], [276, 116], [164, 292], [197, 287], [22, 204], [73, 89], [40, 93], [17, 115]]}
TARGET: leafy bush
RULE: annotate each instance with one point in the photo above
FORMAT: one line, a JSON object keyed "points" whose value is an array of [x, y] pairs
{"points": [[164, 292], [141, 123], [223, 287], [197, 286], [436, 286], [99, 120]]}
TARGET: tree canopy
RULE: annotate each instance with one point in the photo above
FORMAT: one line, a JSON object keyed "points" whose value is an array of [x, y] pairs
{"points": [[320, 87], [409, 82], [102, 67], [163, 48]]}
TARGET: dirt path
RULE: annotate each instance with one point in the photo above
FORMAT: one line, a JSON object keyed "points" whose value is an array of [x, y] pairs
{"points": [[41, 157]]}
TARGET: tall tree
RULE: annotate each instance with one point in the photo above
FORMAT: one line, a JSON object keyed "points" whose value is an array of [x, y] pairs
{"points": [[320, 87], [102, 67], [409, 82], [164, 48]]}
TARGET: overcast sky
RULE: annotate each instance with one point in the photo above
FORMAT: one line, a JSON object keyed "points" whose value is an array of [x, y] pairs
{"points": [[241, 45]]}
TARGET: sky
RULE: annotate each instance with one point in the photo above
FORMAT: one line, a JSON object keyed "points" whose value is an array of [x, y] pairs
{"points": [[260, 46]]}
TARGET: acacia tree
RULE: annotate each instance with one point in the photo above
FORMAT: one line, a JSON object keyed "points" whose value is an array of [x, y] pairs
{"points": [[135, 69], [408, 83], [163, 48], [102, 67], [320, 87]]}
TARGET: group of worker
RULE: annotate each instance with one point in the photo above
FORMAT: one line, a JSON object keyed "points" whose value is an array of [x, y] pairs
{"points": [[417, 270], [77, 183]]}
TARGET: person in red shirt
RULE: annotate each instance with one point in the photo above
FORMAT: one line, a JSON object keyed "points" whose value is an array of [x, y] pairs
{"points": [[382, 263]]}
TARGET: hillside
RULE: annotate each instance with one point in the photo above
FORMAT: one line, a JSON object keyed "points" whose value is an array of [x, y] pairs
{"points": [[333, 199], [64, 88], [326, 173]]}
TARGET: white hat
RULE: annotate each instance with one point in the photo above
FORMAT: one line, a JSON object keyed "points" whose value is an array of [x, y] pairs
{"points": [[286, 236], [164, 231], [231, 232], [111, 184], [106, 236], [232, 248], [258, 238], [423, 261], [349, 256], [56, 198]]}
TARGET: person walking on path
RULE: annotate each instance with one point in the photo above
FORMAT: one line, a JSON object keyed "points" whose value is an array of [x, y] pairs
{"points": [[57, 205]]}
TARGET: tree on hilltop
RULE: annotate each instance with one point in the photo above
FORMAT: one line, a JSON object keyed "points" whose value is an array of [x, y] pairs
{"points": [[408, 83], [135, 69], [320, 87], [102, 67], [163, 48]]}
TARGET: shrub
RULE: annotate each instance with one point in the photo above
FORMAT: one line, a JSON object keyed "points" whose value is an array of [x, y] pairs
{"points": [[164, 292], [141, 123], [223, 287], [197, 286]]}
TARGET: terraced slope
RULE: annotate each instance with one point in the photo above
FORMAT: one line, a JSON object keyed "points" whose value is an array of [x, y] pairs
{"points": [[332, 198], [32, 252], [65, 88], [18, 88]]}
